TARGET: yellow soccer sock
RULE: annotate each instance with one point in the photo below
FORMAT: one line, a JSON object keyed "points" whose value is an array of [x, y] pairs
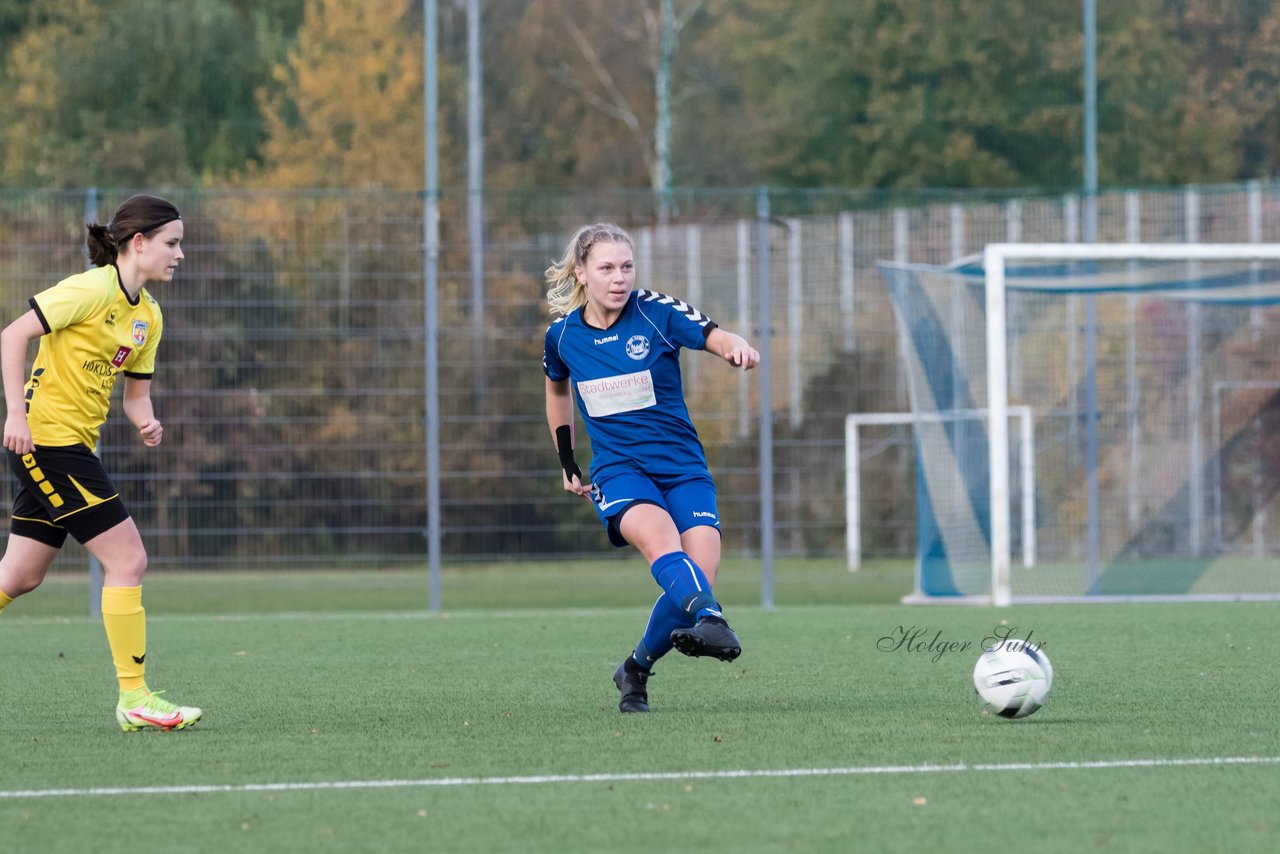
{"points": [[5, 599], [126, 625]]}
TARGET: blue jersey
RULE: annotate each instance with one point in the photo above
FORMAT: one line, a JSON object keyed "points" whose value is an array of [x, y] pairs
{"points": [[626, 380]]}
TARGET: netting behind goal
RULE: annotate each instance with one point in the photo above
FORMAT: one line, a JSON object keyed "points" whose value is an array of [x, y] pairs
{"points": [[1154, 387]]}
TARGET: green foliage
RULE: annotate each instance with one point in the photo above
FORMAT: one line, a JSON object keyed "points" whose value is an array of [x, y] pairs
{"points": [[135, 92], [973, 93], [13, 18]]}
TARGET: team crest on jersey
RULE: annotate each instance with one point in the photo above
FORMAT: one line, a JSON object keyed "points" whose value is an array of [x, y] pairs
{"points": [[637, 347], [140, 332]]}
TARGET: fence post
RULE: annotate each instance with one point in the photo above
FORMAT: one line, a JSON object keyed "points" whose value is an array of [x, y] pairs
{"points": [[693, 287], [1257, 320], [766, 400], [1132, 234], [744, 318], [430, 287], [1195, 381], [847, 303], [795, 309]]}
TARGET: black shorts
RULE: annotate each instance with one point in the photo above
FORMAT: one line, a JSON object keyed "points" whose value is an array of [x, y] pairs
{"points": [[63, 491]]}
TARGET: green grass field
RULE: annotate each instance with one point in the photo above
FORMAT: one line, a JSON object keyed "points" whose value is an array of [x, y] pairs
{"points": [[341, 716]]}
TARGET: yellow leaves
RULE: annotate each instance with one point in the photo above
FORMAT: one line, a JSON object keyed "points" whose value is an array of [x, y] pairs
{"points": [[349, 113]]}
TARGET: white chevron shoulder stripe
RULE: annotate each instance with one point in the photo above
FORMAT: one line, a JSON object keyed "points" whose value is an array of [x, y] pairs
{"points": [[679, 305]]}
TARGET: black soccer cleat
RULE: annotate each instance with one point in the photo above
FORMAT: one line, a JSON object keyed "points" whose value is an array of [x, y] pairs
{"points": [[631, 679], [710, 637]]}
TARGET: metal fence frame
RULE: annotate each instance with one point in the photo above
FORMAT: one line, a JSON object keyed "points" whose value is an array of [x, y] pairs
{"points": [[291, 383]]}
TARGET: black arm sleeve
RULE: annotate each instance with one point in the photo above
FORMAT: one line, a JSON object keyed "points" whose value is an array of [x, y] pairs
{"points": [[564, 447]]}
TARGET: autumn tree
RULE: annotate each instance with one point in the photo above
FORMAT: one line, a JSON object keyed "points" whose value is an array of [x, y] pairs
{"points": [[1233, 82], [346, 106], [574, 100], [859, 93]]}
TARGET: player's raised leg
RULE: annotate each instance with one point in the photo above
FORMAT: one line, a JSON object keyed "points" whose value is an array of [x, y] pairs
{"points": [[710, 635], [653, 533]]}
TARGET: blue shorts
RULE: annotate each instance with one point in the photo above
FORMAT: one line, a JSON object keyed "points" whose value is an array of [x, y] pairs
{"points": [[689, 498]]}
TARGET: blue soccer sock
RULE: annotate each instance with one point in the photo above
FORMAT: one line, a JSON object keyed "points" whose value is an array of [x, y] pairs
{"points": [[682, 579], [664, 620]]}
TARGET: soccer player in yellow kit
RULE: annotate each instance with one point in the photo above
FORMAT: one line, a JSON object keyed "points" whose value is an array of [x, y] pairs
{"points": [[92, 327]]}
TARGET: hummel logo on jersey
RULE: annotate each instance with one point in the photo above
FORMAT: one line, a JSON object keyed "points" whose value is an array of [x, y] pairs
{"points": [[139, 660], [608, 339]]}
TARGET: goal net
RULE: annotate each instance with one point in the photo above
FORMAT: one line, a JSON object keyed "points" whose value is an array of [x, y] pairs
{"points": [[1153, 372]]}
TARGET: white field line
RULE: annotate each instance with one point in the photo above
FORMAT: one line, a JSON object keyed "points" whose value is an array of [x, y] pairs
{"points": [[407, 616], [453, 782], [381, 616]]}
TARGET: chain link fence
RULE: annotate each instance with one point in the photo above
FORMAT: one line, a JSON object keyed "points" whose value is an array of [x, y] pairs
{"points": [[291, 375]]}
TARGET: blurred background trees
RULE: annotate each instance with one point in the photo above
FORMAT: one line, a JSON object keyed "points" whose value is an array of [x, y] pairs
{"points": [[858, 93]]}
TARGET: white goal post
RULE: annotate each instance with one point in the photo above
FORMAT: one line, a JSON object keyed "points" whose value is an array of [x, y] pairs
{"points": [[995, 258], [853, 470]]}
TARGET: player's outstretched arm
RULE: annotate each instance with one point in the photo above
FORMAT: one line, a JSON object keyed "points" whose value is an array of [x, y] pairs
{"points": [[733, 348]]}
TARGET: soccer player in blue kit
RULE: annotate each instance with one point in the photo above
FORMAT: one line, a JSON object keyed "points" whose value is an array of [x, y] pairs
{"points": [[618, 350]]}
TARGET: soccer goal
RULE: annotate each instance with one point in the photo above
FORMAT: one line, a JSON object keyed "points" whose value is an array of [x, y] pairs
{"points": [[1152, 371], [854, 426]]}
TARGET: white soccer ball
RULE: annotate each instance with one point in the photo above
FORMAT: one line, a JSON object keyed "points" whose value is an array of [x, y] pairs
{"points": [[1013, 677]]}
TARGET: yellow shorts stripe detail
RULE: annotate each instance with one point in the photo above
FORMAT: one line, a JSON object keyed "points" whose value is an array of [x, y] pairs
{"points": [[41, 521], [89, 498], [82, 509]]}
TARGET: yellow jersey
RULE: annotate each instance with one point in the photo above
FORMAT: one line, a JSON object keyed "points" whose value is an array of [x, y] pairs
{"points": [[93, 333]]}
